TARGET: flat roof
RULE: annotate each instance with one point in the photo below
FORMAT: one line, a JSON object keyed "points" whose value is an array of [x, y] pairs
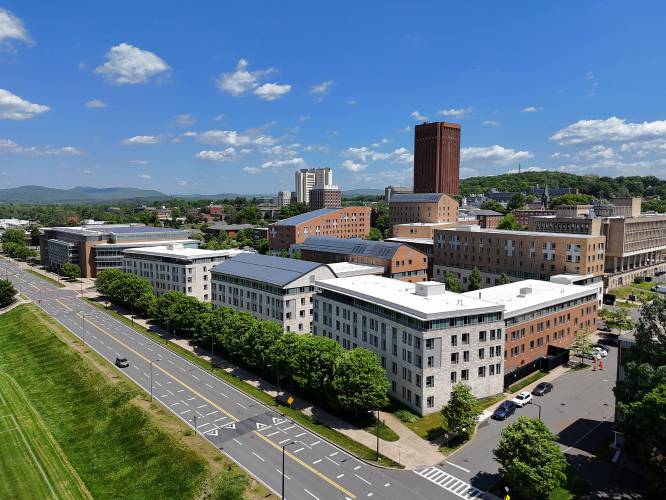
{"points": [[351, 246], [503, 232], [278, 271], [401, 239], [542, 294], [416, 197], [180, 251], [346, 269], [424, 224], [400, 296]]}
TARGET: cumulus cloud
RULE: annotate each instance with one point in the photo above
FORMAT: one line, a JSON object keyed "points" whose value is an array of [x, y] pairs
{"points": [[353, 166], [291, 162], [232, 138], [228, 154], [186, 119], [127, 64], [7, 146], [611, 129], [321, 88], [598, 152], [419, 117], [399, 155], [532, 109], [455, 112], [96, 103], [142, 139], [399, 176], [12, 28], [271, 91], [283, 150], [13, 107], [252, 170], [497, 155], [137, 162]]}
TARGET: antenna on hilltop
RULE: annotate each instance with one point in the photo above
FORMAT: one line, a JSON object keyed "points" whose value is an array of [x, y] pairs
{"points": [[519, 168]]}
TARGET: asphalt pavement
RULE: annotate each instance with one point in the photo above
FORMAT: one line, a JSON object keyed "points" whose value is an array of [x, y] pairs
{"points": [[247, 431]]}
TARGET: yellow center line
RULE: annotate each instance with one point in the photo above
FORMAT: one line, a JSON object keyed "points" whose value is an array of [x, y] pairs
{"points": [[214, 405]]}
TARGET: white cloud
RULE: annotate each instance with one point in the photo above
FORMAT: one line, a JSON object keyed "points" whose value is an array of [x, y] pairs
{"points": [[231, 138], [352, 102], [532, 109], [219, 117], [228, 154], [145, 176], [96, 103], [138, 162], [598, 152], [400, 155], [321, 88], [252, 170], [283, 150], [87, 171], [455, 113], [291, 162], [127, 64], [271, 91], [405, 130], [181, 182], [528, 169], [612, 129], [186, 119], [419, 117], [353, 166], [13, 107], [387, 176], [491, 123], [7, 146], [589, 76], [497, 155], [142, 139], [11, 28]]}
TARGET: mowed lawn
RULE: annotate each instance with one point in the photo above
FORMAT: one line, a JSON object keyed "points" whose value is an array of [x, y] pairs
{"points": [[96, 426], [32, 465]]}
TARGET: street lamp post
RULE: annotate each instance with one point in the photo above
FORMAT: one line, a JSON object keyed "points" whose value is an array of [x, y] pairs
{"points": [[378, 434], [83, 321], [212, 352], [277, 394], [195, 424], [538, 405], [283, 447], [151, 377]]}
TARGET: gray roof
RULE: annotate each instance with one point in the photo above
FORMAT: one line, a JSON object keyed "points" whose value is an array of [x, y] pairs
{"points": [[416, 197], [298, 219], [351, 246], [480, 211], [223, 226], [278, 271]]}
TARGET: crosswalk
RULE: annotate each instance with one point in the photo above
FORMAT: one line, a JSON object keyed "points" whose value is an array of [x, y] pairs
{"points": [[450, 483]]}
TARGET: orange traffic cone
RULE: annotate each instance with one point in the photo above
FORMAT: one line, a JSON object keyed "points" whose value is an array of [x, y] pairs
{"points": [[594, 365], [601, 364]]}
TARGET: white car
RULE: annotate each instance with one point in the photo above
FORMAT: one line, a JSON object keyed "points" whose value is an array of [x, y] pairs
{"points": [[601, 352], [522, 399]]}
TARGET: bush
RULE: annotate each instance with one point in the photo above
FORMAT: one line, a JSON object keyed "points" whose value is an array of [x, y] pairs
{"points": [[639, 279], [7, 293], [406, 416]]}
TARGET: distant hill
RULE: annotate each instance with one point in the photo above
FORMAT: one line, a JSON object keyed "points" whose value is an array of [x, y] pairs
{"points": [[362, 192], [43, 195]]}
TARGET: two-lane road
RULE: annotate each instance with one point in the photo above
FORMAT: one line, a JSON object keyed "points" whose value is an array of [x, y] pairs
{"points": [[250, 433]]}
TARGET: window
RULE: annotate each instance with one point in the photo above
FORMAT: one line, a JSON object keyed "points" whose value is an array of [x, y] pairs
{"points": [[430, 381], [464, 375], [430, 402], [482, 336], [482, 371], [454, 376], [454, 340], [431, 361], [482, 353], [465, 356], [465, 338], [454, 358], [429, 344]]}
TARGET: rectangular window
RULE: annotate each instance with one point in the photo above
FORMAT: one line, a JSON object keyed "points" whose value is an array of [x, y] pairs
{"points": [[431, 361], [482, 371], [482, 353], [430, 402], [464, 375], [454, 340], [430, 381], [454, 358], [454, 376]]}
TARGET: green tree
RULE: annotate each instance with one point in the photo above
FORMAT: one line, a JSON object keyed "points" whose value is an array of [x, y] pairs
{"points": [[462, 412], [493, 205], [474, 280], [503, 279], [105, 278], [70, 270], [359, 381], [14, 236], [582, 343], [508, 223], [530, 460], [571, 199], [127, 290], [7, 293], [452, 283], [374, 234], [517, 201], [651, 331], [313, 364]]}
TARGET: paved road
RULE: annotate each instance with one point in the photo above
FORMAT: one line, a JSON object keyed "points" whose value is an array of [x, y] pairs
{"points": [[247, 431], [580, 409]]}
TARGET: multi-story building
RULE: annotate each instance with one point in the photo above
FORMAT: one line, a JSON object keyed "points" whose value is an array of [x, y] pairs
{"points": [[427, 339], [216, 210], [307, 178], [619, 207], [325, 197], [98, 247], [175, 267], [270, 288], [538, 314], [422, 207], [283, 198], [519, 254], [524, 215], [391, 190], [437, 158], [419, 229], [484, 218], [570, 225], [348, 222], [399, 261]]}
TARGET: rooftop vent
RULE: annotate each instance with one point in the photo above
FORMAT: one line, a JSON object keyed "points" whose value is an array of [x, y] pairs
{"points": [[429, 288], [525, 291]]}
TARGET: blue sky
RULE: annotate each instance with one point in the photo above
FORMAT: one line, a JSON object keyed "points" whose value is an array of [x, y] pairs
{"points": [[210, 97]]}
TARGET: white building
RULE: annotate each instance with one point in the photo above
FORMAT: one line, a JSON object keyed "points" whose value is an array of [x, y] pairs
{"points": [[283, 198], [14, 223], [175, 267], [307, 178], [427, 338], [269, 288]]}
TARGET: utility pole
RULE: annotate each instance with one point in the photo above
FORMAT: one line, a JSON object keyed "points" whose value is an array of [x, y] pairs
{"points": [[378, 434], [212, 353], [283, 447]]}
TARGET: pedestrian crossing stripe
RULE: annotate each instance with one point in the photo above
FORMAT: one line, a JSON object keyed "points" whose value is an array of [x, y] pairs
{"points": [[450, 483]]}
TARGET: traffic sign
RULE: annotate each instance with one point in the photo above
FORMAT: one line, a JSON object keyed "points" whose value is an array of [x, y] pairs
{"points": [[290, 400]]}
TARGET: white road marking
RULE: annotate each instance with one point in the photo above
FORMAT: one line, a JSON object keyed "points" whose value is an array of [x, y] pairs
{"points": [[357, 467], [238, 441], [313, 496], [300, 449], [287, 428], [210, 386], [242, 406], [363, 479], [315, 462], [170, 361], [280, 472], [191, 399], [186, 411], [204, 425], [273, 434], [454, 465], [450, 483], [211, 413], [218, 419], [333, 461], [258, 457], [387, 485], [158, 384], [195, 377], [301, 434], [201, 406], [224, 395], [284, 441], [180, 390], [174, 404], [315, 443], [339, 476], [170, 392], [333, 454]]}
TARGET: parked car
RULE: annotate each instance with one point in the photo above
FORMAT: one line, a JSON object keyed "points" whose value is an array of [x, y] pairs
{"points": [[648, 278], [522, 398], [660, 273], [659, 289], [586, 355], [600, 351], [122, 362], [504, 410], [542, 389]]}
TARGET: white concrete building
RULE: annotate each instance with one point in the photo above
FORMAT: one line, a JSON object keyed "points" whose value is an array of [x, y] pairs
{"points": [[283, 198], [175, 267], [270, 288], [307, 178], [428, 339]]}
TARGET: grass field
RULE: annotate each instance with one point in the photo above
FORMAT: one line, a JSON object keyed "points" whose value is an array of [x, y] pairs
{"points": [[120, 445], [32, 465], [640, 290]]}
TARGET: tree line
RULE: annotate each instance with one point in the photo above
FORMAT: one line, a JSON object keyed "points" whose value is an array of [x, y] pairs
{"points": [[349, 381], [15, 244]]}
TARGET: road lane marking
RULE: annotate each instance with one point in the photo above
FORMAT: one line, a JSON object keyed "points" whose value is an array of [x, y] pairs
{"points": [[316, 461], [357, 467], [450, 483], [333, 461], [242, 406], [287, 428], [210, 386], [280, 472], [363, 479], [273, 434], [284, 441], [300, 449], [201, 406], [258, 457], [315, 443], [312, 495], [339, 476], [211, 413], [454, 465], [333, 454], [218, 419], [301, 434], [238, 441]]}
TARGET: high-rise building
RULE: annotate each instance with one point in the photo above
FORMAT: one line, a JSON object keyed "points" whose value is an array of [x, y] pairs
{"points": [[325, 197], [307, 178], [437, 158]]}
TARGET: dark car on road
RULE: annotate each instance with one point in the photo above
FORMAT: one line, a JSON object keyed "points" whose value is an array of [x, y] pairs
{"points": [[504, 411], [542, 388], [122, 362]]}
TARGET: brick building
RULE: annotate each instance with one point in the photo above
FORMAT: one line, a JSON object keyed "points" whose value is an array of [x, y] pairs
{"points": [[422, 207], [325, 197], [437, 158], [348, 222]]}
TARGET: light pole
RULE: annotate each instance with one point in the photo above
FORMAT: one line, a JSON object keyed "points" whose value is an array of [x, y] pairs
{"points": [[132, 312], [151, 380], [283, 447], [277, 395], [195, 423], [83, 321], [212, 352], [537, 404], [377, 434]]}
